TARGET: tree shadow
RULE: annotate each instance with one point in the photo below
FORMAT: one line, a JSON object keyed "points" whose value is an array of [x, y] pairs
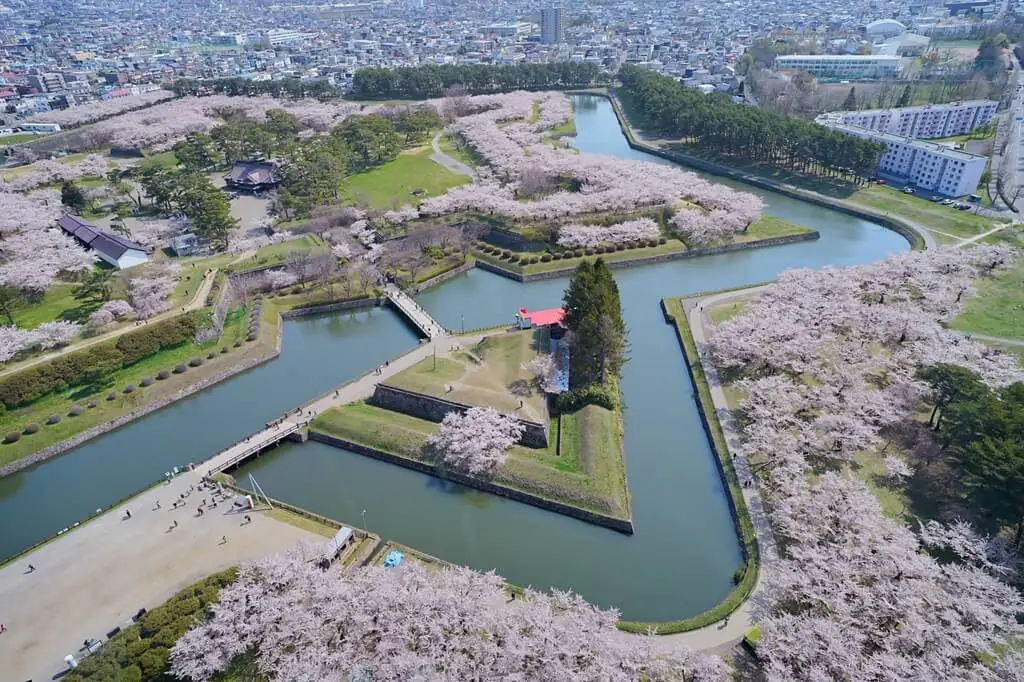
{"points": [[80, 313], [92, 388], [520, 388]]}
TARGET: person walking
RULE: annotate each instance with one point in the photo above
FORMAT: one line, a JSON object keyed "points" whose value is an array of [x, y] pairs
{"points": [[3, 628], [31, 568], [248, 519], [127, 514], [223, 539]]}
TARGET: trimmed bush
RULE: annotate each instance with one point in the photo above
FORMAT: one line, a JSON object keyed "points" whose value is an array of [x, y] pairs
{"points": [[296, 290], [251, 337], [31, 428], [522, 260], [150, 339], [53, 419], [546, 258], [662, 240], [179, 369], [534, 259], [238, 344], [91, 404], [595, 394], [211, 355], [163, 374], [76, 411], [224, 349], [652, 242], [128, 389], [111, 396], [12, 437], [195, 362], [147, 381]]}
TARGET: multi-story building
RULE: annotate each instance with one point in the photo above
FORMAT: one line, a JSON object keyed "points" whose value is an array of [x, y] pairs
{"points": [[551, 25], [281, 36], [924, 122], [929, 165], [842, 66], [46, 82]]}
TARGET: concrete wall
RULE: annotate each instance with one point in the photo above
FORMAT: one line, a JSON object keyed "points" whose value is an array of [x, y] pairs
{"points": [[423, 406], [621, 525], [330, 308], [444, 276]]}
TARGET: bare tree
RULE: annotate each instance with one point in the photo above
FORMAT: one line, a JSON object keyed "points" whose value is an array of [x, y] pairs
{"points": [[456, 102]]}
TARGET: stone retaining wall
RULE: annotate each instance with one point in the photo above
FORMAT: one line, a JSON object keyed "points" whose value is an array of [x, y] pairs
{"points": [[330, 308], [648, 260], [620, 525], [431, 408], [444, 276]]}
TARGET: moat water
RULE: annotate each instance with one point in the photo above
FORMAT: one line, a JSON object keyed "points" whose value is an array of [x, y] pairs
{"points": [[679, 562]]}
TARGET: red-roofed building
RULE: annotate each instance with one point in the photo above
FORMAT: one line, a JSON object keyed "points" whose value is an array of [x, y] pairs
{"points": [[539, 318]]}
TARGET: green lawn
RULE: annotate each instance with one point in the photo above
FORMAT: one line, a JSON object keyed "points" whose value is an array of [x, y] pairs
{"points": [[280, 252], [392, 184], [489, 374], [567, 129], [723, 311], [459, 151], [105, 410], [59, 303], [926, 213], [868, 466], [998, 307], [588, 473], [162, 160], [20, 137], [770, 226]]}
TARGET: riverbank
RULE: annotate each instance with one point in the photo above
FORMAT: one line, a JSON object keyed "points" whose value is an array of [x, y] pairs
{"points": [[918, 236]]}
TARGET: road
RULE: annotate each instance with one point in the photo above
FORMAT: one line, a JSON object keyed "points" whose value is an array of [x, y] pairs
{"points": [[197, 302]]}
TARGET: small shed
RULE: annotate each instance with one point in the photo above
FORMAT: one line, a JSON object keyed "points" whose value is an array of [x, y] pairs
{"points": [[113, 248], [335, 546], [539, 318], [252, 176], [184, 245]]}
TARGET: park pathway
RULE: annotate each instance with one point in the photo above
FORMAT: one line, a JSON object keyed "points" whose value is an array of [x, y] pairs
{"points": [[414, 312], [454, 165], [197, 302]]}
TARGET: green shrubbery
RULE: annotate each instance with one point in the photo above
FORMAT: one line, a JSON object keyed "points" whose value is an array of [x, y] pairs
{"points": [[594, 394], [90, 365], [141, 652]]}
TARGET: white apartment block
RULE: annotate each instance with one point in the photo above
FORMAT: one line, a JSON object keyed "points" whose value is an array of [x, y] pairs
{"points": [[842, 66], [928, 165], [924, 122]]}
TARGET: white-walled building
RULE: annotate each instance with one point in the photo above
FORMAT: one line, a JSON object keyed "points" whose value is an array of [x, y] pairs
{"points": [[842, 66], [932, 166], [923, 122]]}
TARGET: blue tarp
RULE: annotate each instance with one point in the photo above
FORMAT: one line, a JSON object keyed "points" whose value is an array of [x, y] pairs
{"points": [[393, 559]]}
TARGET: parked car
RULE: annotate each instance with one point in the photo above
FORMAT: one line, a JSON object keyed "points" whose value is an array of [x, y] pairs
{"points": [[947, 202], [936, 198], [963, 206], [908, 190]]}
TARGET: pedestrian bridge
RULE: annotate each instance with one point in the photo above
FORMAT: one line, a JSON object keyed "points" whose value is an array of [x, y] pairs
{"points": [[413, 312]]}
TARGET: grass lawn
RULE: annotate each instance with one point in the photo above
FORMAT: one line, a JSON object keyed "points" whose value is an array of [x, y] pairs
{"points": [[489, 374], [923, 212], [460, 151], [59, 303], [998, 307], [566, 129], [161, 160], [867, 466], [299, 521], [277, 253], [723, 311], [770, 226], [393, 183], [20, 137], [588, 473], [105, 410]]}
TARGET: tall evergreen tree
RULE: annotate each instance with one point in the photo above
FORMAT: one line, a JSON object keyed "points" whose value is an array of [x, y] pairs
{"points": [[907, 97], [850, 103], [593, 314]]}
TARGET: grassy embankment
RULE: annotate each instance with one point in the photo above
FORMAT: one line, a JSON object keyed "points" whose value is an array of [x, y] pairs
{"points": [[585, 470], [767, 227]]}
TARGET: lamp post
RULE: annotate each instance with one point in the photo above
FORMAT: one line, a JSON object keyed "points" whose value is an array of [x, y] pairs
{"points": [[365, 531], [463, 318]]}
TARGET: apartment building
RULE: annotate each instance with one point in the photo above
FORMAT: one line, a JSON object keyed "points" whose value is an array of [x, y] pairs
{"points": [[842, 66], [924, 122], [935, 167], [551, 29]]}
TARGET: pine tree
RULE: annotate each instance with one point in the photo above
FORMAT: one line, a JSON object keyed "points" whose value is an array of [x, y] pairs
{"points": [[593, 314], [907, 97], [72, 196], [850, 103]]}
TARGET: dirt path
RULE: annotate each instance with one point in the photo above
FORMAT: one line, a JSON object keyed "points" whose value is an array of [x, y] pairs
{"points": [[454, 165]]}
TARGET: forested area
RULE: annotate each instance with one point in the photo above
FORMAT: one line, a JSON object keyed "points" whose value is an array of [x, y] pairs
{"points": [[715, 123], [431, 80], [284, 88]]}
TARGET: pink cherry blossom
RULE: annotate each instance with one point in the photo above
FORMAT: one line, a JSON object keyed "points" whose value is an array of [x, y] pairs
{"points": [[477, 440]]}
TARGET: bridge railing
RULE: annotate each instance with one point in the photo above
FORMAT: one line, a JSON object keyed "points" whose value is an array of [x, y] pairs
{"points": [[256, 447]]}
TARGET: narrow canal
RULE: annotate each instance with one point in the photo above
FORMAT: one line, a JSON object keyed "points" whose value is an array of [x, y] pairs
{"points": [[679, 562]]}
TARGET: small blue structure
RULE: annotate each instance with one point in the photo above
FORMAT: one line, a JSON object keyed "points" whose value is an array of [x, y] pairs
{"points": [[393, 559]]}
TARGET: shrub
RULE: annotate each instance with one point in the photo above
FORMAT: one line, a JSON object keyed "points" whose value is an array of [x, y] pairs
{"points": [[12, 437], [31, 428], [662, 240], [111, 396], [162, 374], [179, 369], [76, 411], [653, 241], [147, 381], [150, 339], [619, 247], [296, 290], [546, 258], [506, 254], [522, 260], [91, 404], [238, 344], [195, 362], [578, 253], [211, 355], [251, 337], [53, 419], [534, 259], [70, 369], [128, 389], [224, 349], [594, 394]]}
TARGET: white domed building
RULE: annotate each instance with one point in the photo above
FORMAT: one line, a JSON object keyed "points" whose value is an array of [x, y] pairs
{"points": [[883, 28]]}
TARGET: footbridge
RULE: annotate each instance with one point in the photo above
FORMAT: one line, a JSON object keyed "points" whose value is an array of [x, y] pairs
{"points": [[413, 312]]}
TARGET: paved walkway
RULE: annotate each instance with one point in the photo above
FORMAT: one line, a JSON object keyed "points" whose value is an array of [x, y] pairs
{"points": [[197, 302], [414, 312], [454, 165], [95, 577]]}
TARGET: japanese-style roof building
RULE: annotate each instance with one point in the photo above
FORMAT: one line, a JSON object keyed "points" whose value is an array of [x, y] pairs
{"points": [[252, 176], [112, 248]]}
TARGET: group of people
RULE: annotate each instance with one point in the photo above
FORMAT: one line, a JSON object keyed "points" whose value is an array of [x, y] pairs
{"points": [[380, 370]]}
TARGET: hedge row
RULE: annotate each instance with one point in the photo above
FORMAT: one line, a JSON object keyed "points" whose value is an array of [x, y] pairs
{"points": [[92, 364], [522, 259], [594, 394], [141, 651]]}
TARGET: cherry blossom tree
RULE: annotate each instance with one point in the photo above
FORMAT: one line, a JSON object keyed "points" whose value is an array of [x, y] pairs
{"points": [[586, 236], [414, 623], [108, 314], [545, 372], [94, 111], [148, 294], [475, 441]]}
